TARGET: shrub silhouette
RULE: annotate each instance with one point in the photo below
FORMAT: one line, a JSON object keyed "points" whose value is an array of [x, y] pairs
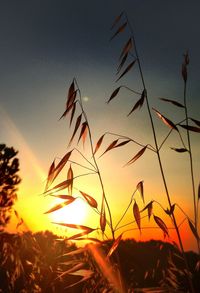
{"points": [[9, 179]]}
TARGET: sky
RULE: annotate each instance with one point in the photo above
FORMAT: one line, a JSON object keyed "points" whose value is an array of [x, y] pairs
{"points": [[45, 44]]}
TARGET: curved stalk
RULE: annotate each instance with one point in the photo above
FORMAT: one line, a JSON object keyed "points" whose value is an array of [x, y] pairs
{"points": [[159, 159], [126, 210], [95, 162], [191, 160]]}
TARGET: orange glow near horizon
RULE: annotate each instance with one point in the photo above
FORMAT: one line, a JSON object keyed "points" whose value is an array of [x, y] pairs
{"points": [[31, 205]]}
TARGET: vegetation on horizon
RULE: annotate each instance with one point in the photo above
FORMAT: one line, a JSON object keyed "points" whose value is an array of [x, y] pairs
{"points": [[9, 179]]}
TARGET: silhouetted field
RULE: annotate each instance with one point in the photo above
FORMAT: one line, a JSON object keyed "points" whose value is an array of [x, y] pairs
{"points": [[34, 262]]}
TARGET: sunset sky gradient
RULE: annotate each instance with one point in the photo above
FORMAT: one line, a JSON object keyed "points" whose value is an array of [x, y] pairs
{"points": [[44, 44]]}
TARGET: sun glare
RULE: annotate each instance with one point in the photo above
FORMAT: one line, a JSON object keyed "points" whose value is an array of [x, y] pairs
{"points": [[75, 213]]}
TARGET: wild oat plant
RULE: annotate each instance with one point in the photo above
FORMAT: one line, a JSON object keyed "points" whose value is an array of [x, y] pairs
{"points": [[101, 266]]}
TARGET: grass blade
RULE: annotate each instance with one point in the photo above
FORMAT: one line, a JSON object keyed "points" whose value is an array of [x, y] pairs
{"points": [[179, 150], [61, 205], [137, 156], [87, 275], [84, 130], [75, 226], [173, 102], [50, 175], [140, 188], [62, 196], [66, 111], [184, 72], [59, 187], [136, 214], [162, 225], [78, 122], [117, 19], [71, 95], [111, 146], [191, 128], [78, 235], [122, 143], [193, 229], [139, 103], [126, 48], [90, 200], [120, 30], [122, 63], [61, 165], [128, 68], [99, 142], [70, 176], [103, 216], [72, 114], [149, 208], [115, 245], [166, 121], [113, 95], [197, 122]]}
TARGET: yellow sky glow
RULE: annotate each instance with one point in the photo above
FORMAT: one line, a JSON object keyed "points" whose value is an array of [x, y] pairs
{"points": [[32, 205]]}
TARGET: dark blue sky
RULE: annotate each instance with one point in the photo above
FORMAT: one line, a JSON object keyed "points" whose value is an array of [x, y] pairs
{"points": [[44, 44]]}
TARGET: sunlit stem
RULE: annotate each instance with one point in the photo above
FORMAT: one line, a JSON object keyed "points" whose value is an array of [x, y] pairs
{"points": [[126, 210], [75, 163], [181, 223], [184, 213], [159, 160], [85, 159], [130, 223], [191, 162], [95, 162]]}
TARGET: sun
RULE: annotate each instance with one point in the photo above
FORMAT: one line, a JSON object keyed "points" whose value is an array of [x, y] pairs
{"points": [[75, 213], [86, 99]]}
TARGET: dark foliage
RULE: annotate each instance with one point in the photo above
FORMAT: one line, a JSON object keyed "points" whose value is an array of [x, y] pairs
{"points": [[153, 264], [9, 179], [31, 263]]}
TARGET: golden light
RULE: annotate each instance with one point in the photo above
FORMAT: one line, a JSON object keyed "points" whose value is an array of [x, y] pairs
{"points": [[74, 213]]}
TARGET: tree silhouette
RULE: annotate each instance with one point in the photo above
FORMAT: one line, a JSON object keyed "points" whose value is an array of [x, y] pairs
{"points": [[9, 179]]}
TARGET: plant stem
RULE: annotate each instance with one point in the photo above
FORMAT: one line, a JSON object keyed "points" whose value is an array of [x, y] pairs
{"points": [[159, 160], [125, 210], [95, 163], [150, 147], [191, 160]]}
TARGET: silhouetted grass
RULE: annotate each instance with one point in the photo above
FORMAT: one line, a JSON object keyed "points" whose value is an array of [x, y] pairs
{"points": [[105, 270]]}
